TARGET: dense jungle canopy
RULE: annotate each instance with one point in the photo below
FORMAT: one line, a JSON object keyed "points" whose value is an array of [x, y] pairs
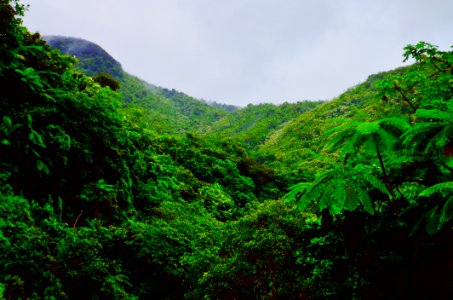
{"points": [[113, 188]]}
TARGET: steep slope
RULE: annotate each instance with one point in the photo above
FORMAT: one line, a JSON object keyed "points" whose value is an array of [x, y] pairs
{"points": [[293, 148], [166, 111], [252, 125]]}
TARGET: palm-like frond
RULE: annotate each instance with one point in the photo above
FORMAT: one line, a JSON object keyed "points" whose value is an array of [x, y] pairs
{"points": [[446, 213], [339, 135], [386, 140], [436, 115], [439, 215], [394, 122], [297, 190], [316, 186], [338, 190], [365, 200], [428, 136], [372, 138], [376, 183], [332, 197], [443, 188], [352, 136], [443, 211], [442, 138], [412, 138], [305, 193], [367, 128], [352, 145]]}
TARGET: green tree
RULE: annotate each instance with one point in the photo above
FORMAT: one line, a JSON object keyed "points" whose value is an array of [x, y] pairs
{"points": [[339, 189], [105, 79], [375, 137]]}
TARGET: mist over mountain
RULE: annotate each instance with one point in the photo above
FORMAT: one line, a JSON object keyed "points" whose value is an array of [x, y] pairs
{"points": [[92, 58], [114, 188], [168, 110]]}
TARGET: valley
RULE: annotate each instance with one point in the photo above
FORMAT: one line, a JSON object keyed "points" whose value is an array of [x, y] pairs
{"points": [[115, 188]]}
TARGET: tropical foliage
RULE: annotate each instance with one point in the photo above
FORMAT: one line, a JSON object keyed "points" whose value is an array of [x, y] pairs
{"points": [[104, 195]]}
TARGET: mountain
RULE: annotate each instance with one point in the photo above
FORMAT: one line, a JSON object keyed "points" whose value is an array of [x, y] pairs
{"points": [[165, 110], [285, 137], [170, 111], [92, 58], [294, 147], [355, 202]]}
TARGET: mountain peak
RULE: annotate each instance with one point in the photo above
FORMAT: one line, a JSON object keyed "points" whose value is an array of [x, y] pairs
{"points": [[93, 59]]}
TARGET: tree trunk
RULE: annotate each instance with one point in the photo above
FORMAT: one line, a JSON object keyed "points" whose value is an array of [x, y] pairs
{"points": [[384, 172]]}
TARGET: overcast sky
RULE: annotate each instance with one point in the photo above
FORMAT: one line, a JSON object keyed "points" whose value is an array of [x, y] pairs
{"points": [[250, 51]]}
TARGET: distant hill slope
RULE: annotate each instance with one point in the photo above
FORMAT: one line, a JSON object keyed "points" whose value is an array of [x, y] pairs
{"points": [[252, 125], [168, 111], [293, 148], [171, 111], [280, 135], [92, 58], [165, 110]]}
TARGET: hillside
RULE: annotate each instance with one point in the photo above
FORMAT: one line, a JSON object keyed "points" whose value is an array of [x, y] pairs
{"points": [[293, 147], [166, 110], [92, 59], [251, 126], [354, 201], [171, 111]]}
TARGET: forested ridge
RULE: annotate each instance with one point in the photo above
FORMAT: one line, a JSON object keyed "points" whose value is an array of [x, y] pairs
{"points": [[112, 188], [164, 110]]}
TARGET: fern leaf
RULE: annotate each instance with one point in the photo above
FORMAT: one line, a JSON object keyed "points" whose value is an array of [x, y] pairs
{"points": [[314, 190], [367, 128], [418, 134], [369, 146], [296, 190], [376, 183], [436, 139], [326, 176], [447, 213], [303, 202], [435, 114], [443, 137], [398, 123], [365, 200], [306, 199], [400, 160], [442, 188], [386, 140], [349, 147], [338, 195], [328, 201], [338, 139]]}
